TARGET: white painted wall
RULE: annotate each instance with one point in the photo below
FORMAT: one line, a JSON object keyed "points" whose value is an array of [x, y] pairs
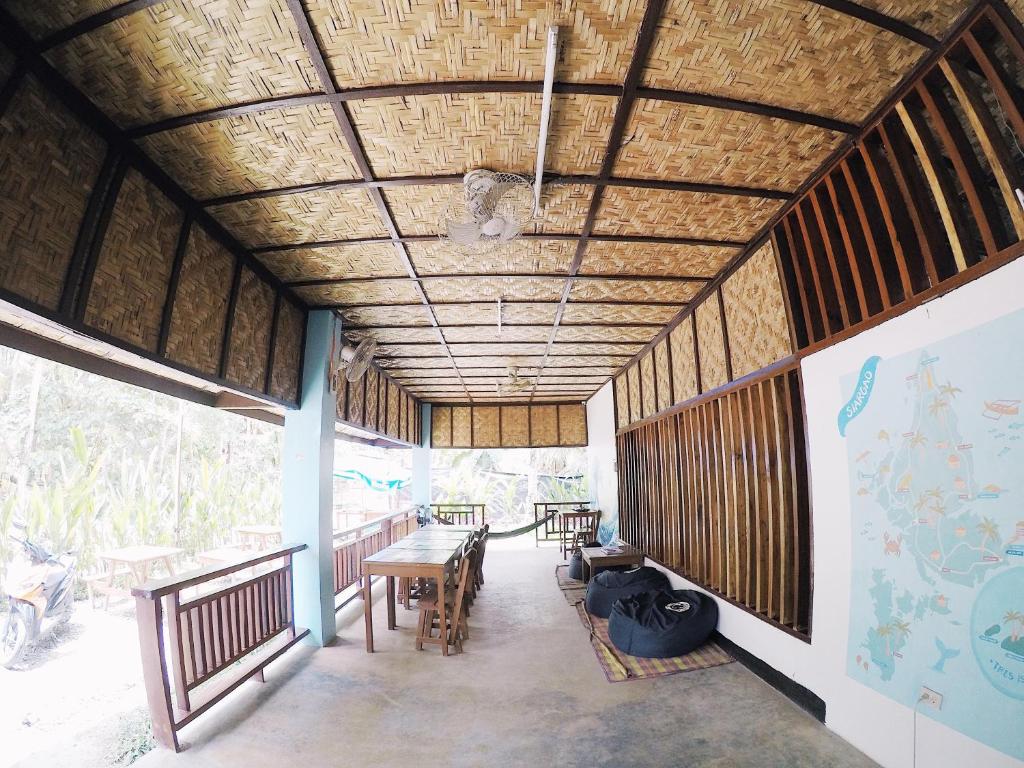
{"points": [[601, 470], [881, 728]]}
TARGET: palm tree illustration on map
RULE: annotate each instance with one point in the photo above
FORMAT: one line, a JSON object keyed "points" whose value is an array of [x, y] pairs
{"points": [[1017, 619], [927, 486], [943, 534]]}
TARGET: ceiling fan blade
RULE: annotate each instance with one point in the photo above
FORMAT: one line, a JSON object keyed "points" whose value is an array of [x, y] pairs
{"points": [[462, 232]]}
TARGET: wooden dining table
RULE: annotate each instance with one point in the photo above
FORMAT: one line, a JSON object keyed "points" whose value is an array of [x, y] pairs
{"points": [[421, 554]]}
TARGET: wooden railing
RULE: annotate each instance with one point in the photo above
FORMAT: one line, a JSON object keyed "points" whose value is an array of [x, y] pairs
{"points": [[353, 544], [460, 514], [718, 492], [552, 529], [208, 628]]}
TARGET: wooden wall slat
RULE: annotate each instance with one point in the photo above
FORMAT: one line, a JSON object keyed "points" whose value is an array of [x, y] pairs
{"points": [[926, 197], [718, 492]]}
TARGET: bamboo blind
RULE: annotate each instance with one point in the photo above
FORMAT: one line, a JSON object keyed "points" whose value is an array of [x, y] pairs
{"points": [[376, 403], [250, 332], [541, 425], [711, 345], [42, 196], [201, 303], [719, 493], [284, 378], [372, 398], [648, 403], [128, 291], [755, 314]]}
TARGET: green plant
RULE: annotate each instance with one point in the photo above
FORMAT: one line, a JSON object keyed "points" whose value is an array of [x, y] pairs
{"points": [[134, 738]]}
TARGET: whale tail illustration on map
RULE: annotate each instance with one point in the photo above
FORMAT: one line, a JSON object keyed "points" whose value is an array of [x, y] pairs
{"points": [[945, 654]]}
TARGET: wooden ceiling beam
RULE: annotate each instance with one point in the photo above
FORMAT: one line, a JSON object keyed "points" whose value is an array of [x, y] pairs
{"points": [[457, 87], [639, 239], [750, 107], [316, 55], [445, 179], [382, 327], [623, 110], [880, 20], [606, 302], [499, 276], [97, 20]]}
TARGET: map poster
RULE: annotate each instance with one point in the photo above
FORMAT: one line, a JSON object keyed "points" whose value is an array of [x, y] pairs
{"points": [[936, 465]]}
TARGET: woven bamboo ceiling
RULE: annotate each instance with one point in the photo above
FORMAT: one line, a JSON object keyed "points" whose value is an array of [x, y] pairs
{"points": [[325, 136]]}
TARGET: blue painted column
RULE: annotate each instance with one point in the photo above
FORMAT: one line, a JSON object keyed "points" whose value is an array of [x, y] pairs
{"points": [[421, 461], [308, 489]]}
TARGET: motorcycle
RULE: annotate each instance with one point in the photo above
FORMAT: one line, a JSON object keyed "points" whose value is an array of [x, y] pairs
{"points": [[42, 595]]}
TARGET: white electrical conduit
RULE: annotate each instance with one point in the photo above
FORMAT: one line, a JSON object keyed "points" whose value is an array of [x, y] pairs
{"points": [[545, 114]]}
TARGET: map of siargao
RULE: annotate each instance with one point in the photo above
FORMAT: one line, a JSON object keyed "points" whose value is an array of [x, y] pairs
{"points": [[937, 483]]}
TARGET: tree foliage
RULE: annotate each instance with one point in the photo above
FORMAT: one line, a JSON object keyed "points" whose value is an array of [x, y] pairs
{"points": [[88, 464]]}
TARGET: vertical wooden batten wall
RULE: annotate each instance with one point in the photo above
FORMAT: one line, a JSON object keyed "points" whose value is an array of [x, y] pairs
{"points": [[91, 178], [717, 491]]}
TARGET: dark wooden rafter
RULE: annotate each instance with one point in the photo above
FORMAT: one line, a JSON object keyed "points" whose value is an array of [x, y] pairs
{"points": [[554, 236], [105, 198], [229, 320], [457, 87], [623, 110], [407, 326], [312, 46], [880, 20], [97, 20], [499, 276], [172, 285], [449, 179], [506, 302], [111, 174], [275, 319], [11, 86]]}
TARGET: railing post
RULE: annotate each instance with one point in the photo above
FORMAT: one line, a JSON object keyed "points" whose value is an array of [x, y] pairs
{"points": [[149, 617], [387, 529], [178, 652]]}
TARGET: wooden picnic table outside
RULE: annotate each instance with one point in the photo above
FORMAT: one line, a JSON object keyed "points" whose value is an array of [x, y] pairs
{"points": [[220, 555], [259, 536], [140, 560], [413, 562]]}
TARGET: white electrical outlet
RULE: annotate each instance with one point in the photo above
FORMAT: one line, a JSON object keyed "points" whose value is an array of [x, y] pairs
{"points": [[931, 698]]}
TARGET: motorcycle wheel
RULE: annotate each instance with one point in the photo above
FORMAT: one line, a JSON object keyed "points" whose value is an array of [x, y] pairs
{"points": [[13, 639]]}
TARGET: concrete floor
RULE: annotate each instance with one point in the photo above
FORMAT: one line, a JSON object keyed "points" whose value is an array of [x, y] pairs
{"points": [[528, 691]]}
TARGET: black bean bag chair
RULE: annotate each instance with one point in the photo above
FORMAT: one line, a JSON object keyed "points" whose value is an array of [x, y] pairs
{"points": [[611, 585], [576, 561], [662, 624]]}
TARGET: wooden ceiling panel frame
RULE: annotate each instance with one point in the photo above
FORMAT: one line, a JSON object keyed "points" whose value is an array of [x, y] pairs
{"points": [[309, 41]]}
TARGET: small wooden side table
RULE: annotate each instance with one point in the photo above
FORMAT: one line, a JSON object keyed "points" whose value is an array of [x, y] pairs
{"points": [[595, 558]]}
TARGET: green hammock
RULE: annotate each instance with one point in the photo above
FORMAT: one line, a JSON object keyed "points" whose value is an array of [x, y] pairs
{"points": [[509, 534]]}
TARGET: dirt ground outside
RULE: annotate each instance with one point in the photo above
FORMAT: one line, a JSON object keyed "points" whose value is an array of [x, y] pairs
{"points": [[77, 699]]}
